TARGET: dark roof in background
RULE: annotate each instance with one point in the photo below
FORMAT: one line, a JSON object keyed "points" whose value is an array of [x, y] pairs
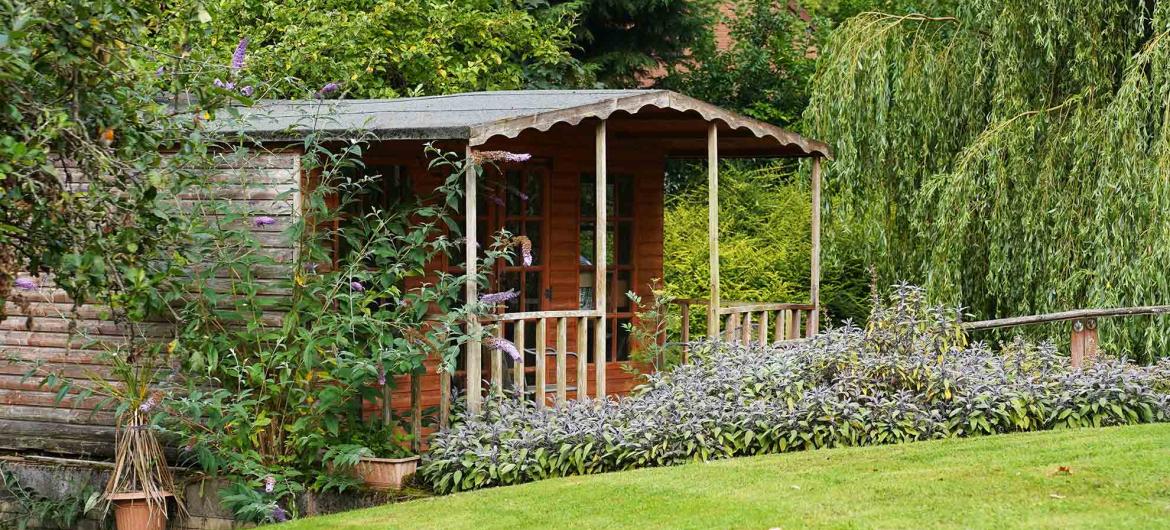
{"points": [[480, 116]]}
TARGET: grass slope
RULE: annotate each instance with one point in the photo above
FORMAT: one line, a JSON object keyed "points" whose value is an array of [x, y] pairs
{"points": [[1118, 478]]}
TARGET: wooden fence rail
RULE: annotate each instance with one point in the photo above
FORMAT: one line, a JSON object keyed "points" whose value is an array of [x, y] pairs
{"points": [[1083, 343]]}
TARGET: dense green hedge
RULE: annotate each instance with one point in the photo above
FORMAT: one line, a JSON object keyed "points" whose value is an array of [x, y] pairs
{"points": [[764, 243]]}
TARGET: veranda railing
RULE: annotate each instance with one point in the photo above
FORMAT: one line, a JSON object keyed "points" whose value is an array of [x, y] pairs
{"points": [[750, 322], [501, 377]]}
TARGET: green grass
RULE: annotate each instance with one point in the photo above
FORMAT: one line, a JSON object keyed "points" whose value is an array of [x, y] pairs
{"points": [[1118, 477]]}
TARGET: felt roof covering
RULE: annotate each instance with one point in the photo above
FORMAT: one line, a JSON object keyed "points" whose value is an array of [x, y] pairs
{"points": [[678, 121]]}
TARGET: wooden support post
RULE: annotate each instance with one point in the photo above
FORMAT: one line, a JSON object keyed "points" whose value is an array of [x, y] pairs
{"points": [[541, 376], [387, 409], [562, 354], [599, 359], [713, 227], [793, 324], [600, 276], [745, 334], [518, 366], [497, 363], [1084, 342], [685, 310], [444, 398], [416, 411], [471, 286], [763, 334], [583, 357], [731, 331], [814, 287]]}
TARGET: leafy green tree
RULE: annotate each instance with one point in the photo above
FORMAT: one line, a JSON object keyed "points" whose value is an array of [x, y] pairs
{"points": [[1009, 155], [380, 49], [624, 40], [81, 124], [764, 70]]}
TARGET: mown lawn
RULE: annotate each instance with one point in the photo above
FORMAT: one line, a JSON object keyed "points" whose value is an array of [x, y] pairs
{"points": [[1111, 478]]}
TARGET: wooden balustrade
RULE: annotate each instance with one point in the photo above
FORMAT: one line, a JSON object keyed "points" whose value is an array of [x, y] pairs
{"points": [[766, 323], [515, 326], [762, 323]]}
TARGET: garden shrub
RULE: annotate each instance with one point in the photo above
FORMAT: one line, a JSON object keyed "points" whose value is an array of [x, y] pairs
{"points": [[909, 375]]}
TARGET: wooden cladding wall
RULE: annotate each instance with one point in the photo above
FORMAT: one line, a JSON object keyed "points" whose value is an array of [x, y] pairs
{"points": [[46, 334], [44, 328]]}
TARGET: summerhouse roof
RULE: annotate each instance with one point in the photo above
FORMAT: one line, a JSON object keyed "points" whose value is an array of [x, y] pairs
{"points": [[478, 117]]}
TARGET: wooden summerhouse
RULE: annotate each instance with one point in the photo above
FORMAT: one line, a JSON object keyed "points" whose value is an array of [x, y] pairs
{"points": [[592, 188]]}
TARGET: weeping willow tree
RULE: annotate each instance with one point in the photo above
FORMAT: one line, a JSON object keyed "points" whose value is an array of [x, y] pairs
{"points": [[1009, 155]]}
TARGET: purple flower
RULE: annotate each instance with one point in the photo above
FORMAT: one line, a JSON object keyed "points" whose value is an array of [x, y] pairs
{"points": [[27, 284], [263, 220], [311, 266], [381, 376], [226, 86], [147, 405], [356, 286], [279, 515], [329, 88], [247, 91], [238, 56], [269, 483], [497, 298], [504, 345], [161, 70]]}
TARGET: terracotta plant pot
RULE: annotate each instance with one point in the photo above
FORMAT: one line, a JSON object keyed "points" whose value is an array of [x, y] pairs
{"points": [[132, 512], [386, 474]]}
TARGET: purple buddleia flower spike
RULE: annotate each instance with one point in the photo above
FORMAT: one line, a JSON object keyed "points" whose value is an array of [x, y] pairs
{"points": [[381, 376], [263, 220], [27, 284], [238, 56], [329, 88], [247, 91], [356, 287], [497, 298], [504, 345], [279, 515]]}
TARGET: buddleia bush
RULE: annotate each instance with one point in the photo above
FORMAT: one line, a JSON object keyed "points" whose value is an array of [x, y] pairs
{"points": [[909, 375]]}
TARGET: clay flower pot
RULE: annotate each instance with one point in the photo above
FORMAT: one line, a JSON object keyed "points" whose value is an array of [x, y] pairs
{"points": [[386, 474], [132, 512]]}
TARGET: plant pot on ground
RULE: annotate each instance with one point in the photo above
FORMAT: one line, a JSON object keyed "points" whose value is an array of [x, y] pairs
{"points": [[380, 456], [140, 484], [134, 511], [386, 474]]}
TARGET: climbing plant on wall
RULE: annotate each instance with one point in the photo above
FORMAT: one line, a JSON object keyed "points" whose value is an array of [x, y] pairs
{"points": [[1009, 155]]}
